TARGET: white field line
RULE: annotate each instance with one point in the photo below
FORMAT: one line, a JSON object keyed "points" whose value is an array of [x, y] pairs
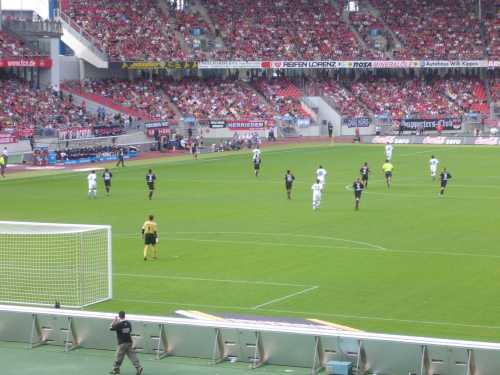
{"points": [[315, 313], [288, 296], [371, 250], [292, 235], [228, 281]]}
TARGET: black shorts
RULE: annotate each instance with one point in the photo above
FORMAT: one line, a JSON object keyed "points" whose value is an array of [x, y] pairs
{"points": [[357, 193], [107, 182], [149, 239], [444, 183], [364, 177], [256, 166], [388, 174], [151, 186], [288, 185]]}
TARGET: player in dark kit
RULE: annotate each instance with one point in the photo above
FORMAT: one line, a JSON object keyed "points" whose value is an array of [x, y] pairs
{"points": [[289, 178], [121, 157], [107, 176], [358, 189], [256, 165], [365, 171], [150, 181], [445, 176]]}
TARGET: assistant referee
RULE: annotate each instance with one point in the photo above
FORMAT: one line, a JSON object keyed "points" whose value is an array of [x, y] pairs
{"points": [[150, 235]]}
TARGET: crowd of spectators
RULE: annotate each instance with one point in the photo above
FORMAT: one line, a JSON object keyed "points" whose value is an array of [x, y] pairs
{"points": [[127, 29], [468, 92], [283, 96], [142, 95], [404, 98], [495, 89], [421, 98], [10, 46], [217, 99], [434, 29], [24, 109], [366, 22], [282, 30], [338, 96]]}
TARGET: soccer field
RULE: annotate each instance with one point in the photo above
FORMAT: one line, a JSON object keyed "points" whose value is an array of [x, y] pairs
{"points": [[408, 262]]}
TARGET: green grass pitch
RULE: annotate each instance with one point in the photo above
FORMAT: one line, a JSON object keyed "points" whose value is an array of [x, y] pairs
{"points": [[408, 262]]}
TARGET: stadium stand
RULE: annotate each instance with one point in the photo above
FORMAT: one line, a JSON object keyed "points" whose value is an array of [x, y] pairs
{"points": [[364, 23], [139, 98], [434, 29], [214, 98], [405, 98], [24, 110], [10, 46], [282, 30], [127, 30], [339, 96], [284, 97]]}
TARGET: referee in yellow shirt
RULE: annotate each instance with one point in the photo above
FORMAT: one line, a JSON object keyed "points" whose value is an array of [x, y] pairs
{"points": [[150, 235], [387, 168]]}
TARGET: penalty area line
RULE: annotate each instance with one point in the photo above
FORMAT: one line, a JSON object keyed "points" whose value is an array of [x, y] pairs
{"points": [[288, 296]]}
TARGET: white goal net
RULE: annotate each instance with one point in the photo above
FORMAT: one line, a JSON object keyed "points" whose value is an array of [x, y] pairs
{"points": [[42, 263]]}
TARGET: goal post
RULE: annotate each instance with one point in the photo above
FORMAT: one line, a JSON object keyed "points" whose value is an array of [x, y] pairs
{"points": [[41, 263]]}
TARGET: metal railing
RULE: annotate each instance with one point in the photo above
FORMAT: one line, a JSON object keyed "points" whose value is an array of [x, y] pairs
{"points": [[254, 342]]}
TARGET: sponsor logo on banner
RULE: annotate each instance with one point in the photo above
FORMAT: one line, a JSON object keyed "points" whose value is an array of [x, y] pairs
{"points": [[160, 126], [36, 62], [245, 124], [217, 124], [454, 63], [309, 64], [490, 141], [356, 122], [139, 65], [361, 64], [383, 139], [230, 65], [451, 123], [455, 141], [7, 138], [397, 64], [494, 64], [434, 140]]}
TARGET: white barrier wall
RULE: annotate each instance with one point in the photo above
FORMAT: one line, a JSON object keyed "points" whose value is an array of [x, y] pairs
{"points": [[257, 343]]}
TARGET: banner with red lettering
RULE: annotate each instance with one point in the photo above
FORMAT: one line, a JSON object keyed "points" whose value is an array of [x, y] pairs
{"points": [[27, 62], [245, 124], [7, 138]]}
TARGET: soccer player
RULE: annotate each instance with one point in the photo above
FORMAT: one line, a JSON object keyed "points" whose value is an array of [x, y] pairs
{"points": [[388, 151], [387, 168], [365, 171], [195, 149], [2, 165], [289, 178], [107, 176], [92, 181], [321, 176], [256, 153], [150, 235], [317, 189], [150, 181], [256, 165], [121, 157], [358, 189], [445, 176], [433, 164]]}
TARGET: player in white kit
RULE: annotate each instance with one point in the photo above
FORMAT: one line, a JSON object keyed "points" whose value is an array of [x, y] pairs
{"points": [[317, 189], [92, 180], [388, 151], [256, 153], [321, 176], [433, 164]]}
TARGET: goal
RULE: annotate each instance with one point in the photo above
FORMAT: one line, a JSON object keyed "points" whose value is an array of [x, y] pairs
{"points": [[41, 263]]}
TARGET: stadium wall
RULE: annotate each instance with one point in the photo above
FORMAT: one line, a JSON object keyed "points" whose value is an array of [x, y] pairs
{"points": [[70, 68]]}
